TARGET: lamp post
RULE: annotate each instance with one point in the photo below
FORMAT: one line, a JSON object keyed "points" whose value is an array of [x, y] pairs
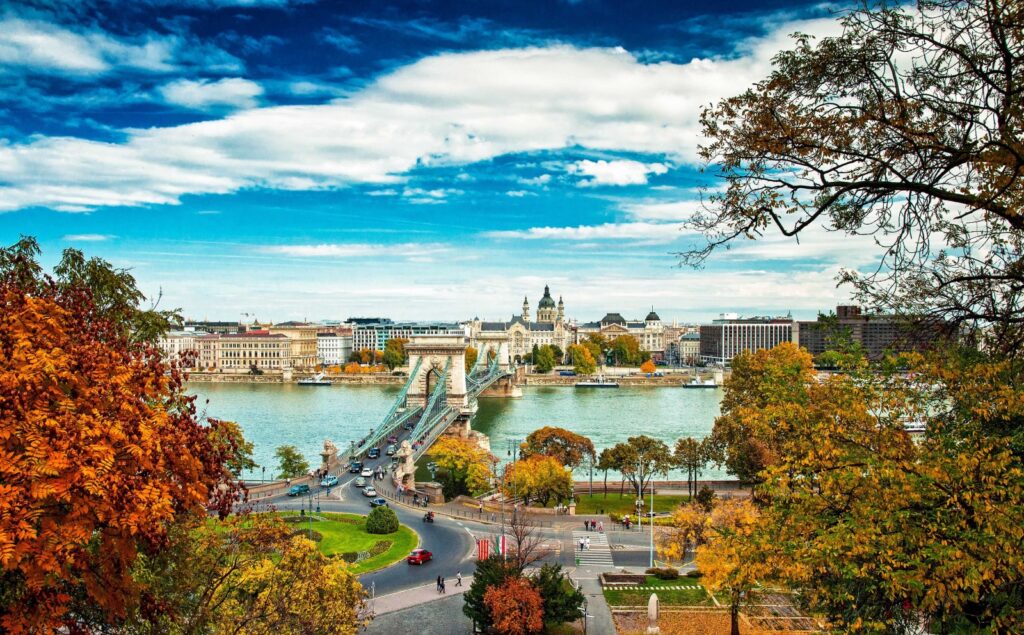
{"points": [[263, 479]]}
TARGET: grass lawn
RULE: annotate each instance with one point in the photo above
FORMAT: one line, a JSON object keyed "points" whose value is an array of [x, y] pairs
{"points": [[593, 504], [347, 533], [667, 596]]}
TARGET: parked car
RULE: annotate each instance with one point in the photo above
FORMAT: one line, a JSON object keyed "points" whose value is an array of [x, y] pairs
{"points": [[360, 482], [378, 502], [567, 373], [298, 490], [373, 453], [391, 450], [355, 467], [329, 481], [419, 556], [369, 491], [366, 473]]}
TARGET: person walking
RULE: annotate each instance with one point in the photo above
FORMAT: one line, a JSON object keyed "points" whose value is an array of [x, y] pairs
{"points": [[458, 579], [586, 543], [442, 586], [600, 526], [438, 584]]}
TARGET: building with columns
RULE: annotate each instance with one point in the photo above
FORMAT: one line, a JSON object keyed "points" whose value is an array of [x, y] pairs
{"points": [[549, 328], [650, 332]]}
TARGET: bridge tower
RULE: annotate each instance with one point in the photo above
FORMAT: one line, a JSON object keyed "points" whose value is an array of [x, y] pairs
{"points": [[437, 351]]}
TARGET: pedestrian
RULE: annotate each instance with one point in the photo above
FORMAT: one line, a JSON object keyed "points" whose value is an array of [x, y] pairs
{"points": [[458, 579], [586, 526], [600, 526], [438, 584], [442, 586], [581, 544], [587, 543], [481, 509]]}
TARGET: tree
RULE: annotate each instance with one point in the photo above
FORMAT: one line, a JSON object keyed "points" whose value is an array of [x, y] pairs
{"points": [[848, 135], [526, 545], [538, 478], [382, 520], [689, 530], [515, 606], [354, 357], [728, 561], [228, 439], [471, 355], [648, 367], [582, 360], [557, 352], [303, 592], [758, 408], [596, 353], [607, 461], [562, 601], [565, 446], [102, 454], [492, 572], [353, 367], [290, 462], [394, 352], [463, 467], [692, 456], [625, 350], [640, 459], [544, 359]]}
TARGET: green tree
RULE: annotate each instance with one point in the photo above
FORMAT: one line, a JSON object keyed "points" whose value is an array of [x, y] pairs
{"points": [[382, 520], [640, 459], [582, 359], [492, 572], [625, 350], [290, 462], [565, 446], [544, 359], [691, 455], [394, 352], [606, 461], [557, 352], [562, 602], [228, 440]]}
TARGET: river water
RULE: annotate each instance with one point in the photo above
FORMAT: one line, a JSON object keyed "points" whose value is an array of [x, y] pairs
{"points": [[303, 416]]}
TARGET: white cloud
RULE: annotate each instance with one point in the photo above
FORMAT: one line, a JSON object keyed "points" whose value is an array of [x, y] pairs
{"points": [[519, 193], [662, 210], [448, 109], [541, 180], [204, 94], [355, 250], [648, 232], [619, 172], [86, 238]]}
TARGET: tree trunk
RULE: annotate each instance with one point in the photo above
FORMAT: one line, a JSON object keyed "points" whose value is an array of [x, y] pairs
{"points": [[606, 483], [734, 618]]}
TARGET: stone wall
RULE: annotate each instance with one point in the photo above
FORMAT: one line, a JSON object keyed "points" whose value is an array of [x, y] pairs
{"points": [[341, 379]]}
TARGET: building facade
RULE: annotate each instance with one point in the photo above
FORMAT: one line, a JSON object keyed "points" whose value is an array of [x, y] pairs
{"points": [[174, 343], [302, 343], [730, 335], [689, 348], [650, 332], [333, 348], [550, 328], [875, 333], [374, 335], [262, 350]]}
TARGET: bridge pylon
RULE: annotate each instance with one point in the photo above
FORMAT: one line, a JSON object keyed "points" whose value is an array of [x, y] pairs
{"points": [[436, 352]]}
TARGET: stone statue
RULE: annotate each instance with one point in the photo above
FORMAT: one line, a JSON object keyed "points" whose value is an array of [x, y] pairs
{"points": [[653, 610], [405, 472], [329, 453]]}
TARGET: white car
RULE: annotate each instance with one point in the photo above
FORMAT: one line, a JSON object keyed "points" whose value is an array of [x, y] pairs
{"points": [[360, 482], [369, 492], [367, 473]]}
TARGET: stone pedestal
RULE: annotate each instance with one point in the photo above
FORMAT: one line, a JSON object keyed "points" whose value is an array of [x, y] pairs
{"points": [[433, 491], [572, 509]]}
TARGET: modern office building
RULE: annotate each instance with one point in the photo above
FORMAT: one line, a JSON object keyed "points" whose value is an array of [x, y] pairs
{"points": [[333, 348], [375, 335], [875, 333], [729, 335]]}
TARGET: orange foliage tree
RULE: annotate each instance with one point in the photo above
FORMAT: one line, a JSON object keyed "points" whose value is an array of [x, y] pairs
{"points": [[516, 607], [100, 452], [648, 367]]}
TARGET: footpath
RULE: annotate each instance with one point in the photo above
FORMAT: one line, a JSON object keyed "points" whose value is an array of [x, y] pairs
{"points": [[417, 595]]}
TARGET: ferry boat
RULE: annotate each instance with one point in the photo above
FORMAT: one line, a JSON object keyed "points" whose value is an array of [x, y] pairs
{"points": [[315, 380], [600, 382], [697, 383]]}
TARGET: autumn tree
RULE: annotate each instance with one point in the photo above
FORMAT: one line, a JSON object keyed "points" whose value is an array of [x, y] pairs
{"points": [[463, 467], [538, 478], [516, 607], [290, 462], [729, 560], [640, 459], [227, 438], [760, 401], [625, 350], [567, 447], [606, 461], [691, 455], [583, 361], [394, 352], [689, 530], [490, 573], [102, 453], [648, 367], [471, 355]]}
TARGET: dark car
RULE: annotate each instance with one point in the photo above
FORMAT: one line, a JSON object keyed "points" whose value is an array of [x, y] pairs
{"points": [[392, 439], [298, 490], [373, 453], [419, 556], [355, 468], [378, 502]]}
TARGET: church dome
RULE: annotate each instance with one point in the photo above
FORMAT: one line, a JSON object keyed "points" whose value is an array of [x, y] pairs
{"points": [[547, 302], [653, 317]]}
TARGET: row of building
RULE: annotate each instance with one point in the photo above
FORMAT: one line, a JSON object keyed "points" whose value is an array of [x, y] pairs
{"points": [[238, 347]]}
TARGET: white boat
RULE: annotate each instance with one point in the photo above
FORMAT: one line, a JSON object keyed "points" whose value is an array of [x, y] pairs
{"points": [[600, 382], [697, 383], [315, 380]]}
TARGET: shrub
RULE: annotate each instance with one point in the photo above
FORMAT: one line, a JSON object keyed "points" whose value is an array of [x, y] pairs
{"points": [[706, 498], [380, 547], [694, 574], [668, 573], [382, 520]]}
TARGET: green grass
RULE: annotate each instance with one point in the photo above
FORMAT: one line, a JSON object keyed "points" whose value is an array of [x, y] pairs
{"points": [[669, 597], [593, 504], [347, 533]]}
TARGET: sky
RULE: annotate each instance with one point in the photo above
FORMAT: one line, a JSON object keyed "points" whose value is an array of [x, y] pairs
{"points": [[295, 159]]}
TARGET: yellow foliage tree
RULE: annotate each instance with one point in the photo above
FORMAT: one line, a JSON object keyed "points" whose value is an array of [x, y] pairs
{"points": [[690, 526], [648, 367], [729, 559], [463, 466], [538, 478], [471, 355]]}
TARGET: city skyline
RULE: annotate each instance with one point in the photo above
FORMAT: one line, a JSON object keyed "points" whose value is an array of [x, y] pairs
{"points": [[419, 161]]}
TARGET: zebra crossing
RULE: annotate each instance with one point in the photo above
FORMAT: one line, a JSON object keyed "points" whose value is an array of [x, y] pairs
{"points": [[599, 554]]}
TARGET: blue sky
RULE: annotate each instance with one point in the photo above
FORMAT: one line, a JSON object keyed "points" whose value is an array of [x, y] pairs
{"points": [[422, 160]]}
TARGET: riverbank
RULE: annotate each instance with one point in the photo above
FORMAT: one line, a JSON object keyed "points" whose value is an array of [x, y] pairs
{"points": [[381, 379]]}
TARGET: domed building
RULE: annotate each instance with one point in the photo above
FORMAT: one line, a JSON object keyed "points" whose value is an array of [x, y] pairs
{"points": [[649, 333], [549, 328]]}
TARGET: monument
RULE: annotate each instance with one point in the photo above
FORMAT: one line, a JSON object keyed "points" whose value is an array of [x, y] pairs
{"points": [[653, 609], [329, 454]]}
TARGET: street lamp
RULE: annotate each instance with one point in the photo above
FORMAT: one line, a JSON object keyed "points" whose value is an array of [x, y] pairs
{"points": [[263, 479]]}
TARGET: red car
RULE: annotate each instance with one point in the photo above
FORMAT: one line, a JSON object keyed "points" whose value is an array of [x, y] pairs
{"points": [[419, 556]]}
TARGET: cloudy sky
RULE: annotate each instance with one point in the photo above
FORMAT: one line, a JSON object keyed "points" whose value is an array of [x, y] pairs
{"points": [[297, 159]]}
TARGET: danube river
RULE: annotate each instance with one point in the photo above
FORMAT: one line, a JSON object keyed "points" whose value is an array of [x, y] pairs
{"points": [[277, 414]]}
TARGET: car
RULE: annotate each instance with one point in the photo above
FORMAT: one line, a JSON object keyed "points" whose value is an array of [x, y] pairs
{"points": [[373, 453], [360, 482], [391, 450], [329, 481], [298, 490], [369, 491], [355, 467], [378, 502], [367, 473], [419, 556], [392, 439]]}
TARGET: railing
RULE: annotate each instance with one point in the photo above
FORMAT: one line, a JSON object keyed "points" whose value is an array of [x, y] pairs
{"points": [[441, 389], [391, 422]]}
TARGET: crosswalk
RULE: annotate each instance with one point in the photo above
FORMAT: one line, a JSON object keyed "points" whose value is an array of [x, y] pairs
{"points": [[598, 555]]}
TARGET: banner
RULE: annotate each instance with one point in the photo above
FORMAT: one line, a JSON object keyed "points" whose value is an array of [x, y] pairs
{"points": [[483, 547]]}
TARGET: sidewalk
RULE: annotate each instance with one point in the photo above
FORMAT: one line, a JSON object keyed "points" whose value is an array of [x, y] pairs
{"points": [[417, 595], [599, 616]]}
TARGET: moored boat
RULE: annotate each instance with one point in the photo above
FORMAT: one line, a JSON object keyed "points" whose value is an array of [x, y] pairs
{"points": [[600, 382], [315, 380]]}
